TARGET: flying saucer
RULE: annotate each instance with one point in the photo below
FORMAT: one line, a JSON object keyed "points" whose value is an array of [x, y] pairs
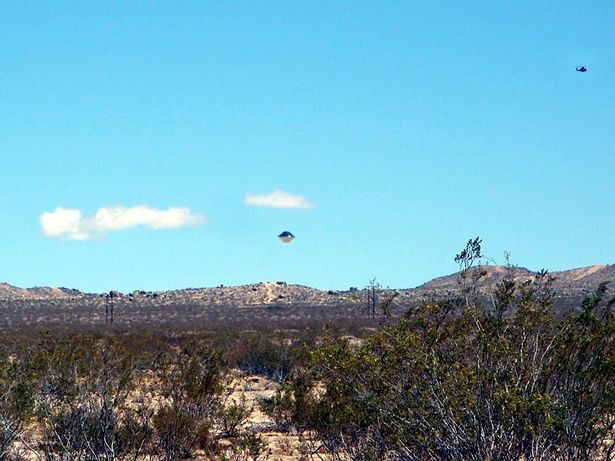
{"points": [[286, 237]]}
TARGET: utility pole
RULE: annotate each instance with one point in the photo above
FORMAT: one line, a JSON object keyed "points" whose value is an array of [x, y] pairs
{"points": [[109, 309], [371, 292]]}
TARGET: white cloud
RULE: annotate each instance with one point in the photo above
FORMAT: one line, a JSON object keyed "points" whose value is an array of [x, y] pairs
{"points": [[279, 199], [63, 222], [70, 224], [119, 218]]}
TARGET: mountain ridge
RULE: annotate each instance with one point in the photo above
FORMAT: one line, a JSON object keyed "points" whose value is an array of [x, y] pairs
{"points": [[573, 280]]}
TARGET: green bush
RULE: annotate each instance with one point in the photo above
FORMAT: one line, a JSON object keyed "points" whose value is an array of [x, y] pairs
{"points": [[191, 387], [460, 380]]}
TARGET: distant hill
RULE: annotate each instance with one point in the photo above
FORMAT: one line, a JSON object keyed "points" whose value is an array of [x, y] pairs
{"points": [[268, 303], [9, 292], [493, 275], [580, 279], [570, 283]]}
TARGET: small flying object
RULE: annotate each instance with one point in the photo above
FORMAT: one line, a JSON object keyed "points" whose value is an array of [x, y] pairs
{"points": [[581, 69], [286, 237]]}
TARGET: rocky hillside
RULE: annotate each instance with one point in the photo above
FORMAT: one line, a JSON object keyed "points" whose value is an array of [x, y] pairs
{"points": [[37, 293], [258, 294], [570, 284]]}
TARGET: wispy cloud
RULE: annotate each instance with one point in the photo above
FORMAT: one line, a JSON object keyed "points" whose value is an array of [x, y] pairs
{"points": [[69, 223], [279, 199]]}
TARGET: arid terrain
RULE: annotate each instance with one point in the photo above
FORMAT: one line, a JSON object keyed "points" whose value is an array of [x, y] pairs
{"points": [[262, 332], [278, 301]]}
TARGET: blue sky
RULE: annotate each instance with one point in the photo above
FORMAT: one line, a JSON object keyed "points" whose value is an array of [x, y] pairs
{"points": [[133, 134]]}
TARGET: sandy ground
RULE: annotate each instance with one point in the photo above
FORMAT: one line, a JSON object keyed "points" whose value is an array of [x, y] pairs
{"points": [[282, 446]]}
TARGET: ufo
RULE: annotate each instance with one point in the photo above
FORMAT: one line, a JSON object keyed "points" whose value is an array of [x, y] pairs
{"points": [[286, 237]]}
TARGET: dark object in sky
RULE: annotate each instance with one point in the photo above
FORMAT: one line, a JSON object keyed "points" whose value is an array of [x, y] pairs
{"points": [[286, 237], [581, 69]]}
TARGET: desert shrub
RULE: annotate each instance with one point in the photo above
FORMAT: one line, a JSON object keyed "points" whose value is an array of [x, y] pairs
{"points": [[246, 447], [234, 416], [121, 395], [192, 384], [459, 380], [83, 391], [293, 405], [266, 357], [16, 403]]}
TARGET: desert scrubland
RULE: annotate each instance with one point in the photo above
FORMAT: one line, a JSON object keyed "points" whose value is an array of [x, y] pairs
{"points": [[491, 367]]}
